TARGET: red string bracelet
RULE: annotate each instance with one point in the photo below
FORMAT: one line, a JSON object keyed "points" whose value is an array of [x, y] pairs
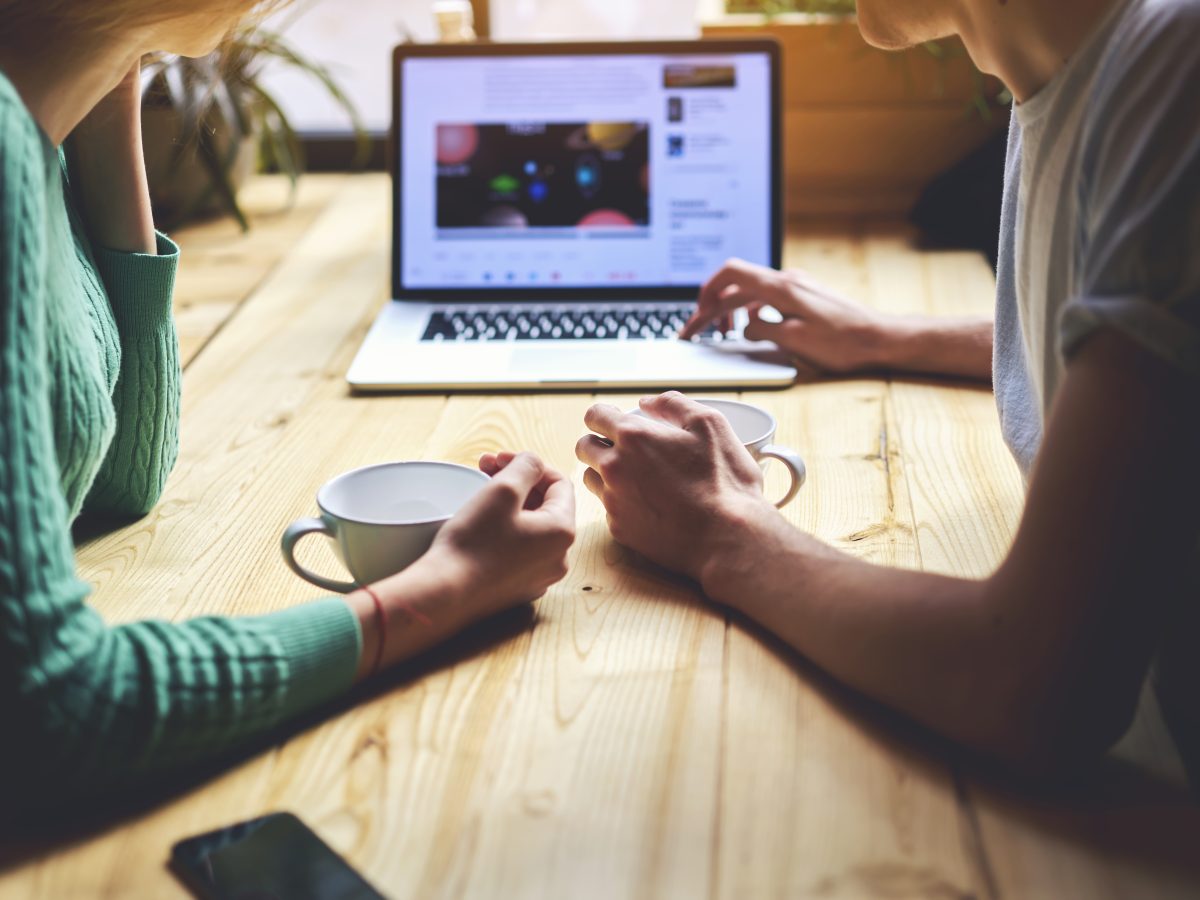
{"points": [[381, 622]]}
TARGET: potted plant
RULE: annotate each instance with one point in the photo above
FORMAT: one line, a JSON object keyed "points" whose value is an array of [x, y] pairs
{"points": [[209, 123], [864, 130]]}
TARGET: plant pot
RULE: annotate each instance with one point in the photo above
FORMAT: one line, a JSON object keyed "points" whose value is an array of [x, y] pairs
{"points": [[864, 131], [180, 185]]}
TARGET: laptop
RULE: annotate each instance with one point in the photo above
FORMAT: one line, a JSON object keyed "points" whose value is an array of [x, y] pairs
{"points": [[557, 207]]}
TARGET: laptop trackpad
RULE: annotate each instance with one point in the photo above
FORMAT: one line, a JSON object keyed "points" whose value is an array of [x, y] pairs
{"points": [[572, 364]]}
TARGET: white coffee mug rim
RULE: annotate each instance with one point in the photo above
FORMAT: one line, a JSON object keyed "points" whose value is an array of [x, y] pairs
{"points": [[773, 428], [329, 485]]}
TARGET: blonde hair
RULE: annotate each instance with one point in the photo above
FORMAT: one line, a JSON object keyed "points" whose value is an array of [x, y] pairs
{"points": [[116, 15]]}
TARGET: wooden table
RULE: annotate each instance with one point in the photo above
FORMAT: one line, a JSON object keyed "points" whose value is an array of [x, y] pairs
{"points": [[629, 740]]}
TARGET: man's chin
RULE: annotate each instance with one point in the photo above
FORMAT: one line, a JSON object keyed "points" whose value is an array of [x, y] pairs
{"points": [[888, 30], [880, 35]]}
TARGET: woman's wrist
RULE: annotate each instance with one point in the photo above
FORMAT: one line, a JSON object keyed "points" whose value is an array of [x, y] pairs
{"points": [[421, 606], [432, 592]]}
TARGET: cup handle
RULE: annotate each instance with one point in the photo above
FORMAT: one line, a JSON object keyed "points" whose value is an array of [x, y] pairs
{"points": [[291, 537], [795, 464]]}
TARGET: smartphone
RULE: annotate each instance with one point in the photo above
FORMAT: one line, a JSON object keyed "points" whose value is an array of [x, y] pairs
{"points": [[276, 856]]}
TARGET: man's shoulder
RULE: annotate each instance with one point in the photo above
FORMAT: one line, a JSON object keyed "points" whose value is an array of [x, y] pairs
{"points": [[1156, 28], [1169, 11], [1150, 65]]}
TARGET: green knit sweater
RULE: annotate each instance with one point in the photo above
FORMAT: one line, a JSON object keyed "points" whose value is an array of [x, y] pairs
{"points": [[89, 412]]}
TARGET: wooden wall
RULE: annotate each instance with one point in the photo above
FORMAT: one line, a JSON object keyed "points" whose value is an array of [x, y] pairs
{"points": [[865, 130]]}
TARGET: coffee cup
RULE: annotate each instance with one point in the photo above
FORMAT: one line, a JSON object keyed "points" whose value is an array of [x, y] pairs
{"points": [[755, 428], [383, 518]]}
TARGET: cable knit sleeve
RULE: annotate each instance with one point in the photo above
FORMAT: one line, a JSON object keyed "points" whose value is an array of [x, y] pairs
{"points": [[140, 288], [87, 708]]}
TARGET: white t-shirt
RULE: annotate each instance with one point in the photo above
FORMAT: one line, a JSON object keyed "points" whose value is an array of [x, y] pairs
{"points": [[1101, 229]]}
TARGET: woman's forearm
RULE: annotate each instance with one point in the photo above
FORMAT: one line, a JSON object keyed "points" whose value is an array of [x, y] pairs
{"points": [[108, 172]]}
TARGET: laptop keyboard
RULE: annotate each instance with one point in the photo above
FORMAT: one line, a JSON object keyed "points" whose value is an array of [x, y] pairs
{"points": [[589, 322]]}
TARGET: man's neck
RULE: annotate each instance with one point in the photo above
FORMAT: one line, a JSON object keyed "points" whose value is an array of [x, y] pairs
{"points": [[61, 82], [1025, 43]]}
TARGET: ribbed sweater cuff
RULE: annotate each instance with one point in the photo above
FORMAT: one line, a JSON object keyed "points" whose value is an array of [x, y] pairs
{"points": [[322, 643], [140, 285]]}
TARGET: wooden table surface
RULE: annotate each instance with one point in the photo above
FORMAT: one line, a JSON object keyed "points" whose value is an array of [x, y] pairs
{"points": [[628, 739]]}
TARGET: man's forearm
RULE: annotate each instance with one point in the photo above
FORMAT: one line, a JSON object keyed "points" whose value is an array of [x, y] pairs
{"points": [[923, 644], [960, 347]]}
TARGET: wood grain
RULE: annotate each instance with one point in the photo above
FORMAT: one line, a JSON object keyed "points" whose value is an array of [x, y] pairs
{"points": [[826, 62], [872, 161], [220, 267], [620, 738], [966, 491], [1128, 830], [817, 800]]}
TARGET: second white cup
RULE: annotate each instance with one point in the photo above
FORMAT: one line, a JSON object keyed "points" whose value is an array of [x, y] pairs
{"points": [[755, 428]]}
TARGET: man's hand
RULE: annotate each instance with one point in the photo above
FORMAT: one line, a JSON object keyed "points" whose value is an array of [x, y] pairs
{"points": [[824, 329], [674, 482], [834, 334]]}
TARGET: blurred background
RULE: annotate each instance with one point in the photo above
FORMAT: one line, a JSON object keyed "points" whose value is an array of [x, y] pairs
{"points": [[916, 134]]}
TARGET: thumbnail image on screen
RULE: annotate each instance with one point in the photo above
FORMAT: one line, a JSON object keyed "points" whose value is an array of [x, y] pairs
{"points": [[543, 175], [688, 76]]}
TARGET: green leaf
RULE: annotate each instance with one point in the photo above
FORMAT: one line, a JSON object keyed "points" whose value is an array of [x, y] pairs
{"points": [[225, 89], [275, 46], [220, 175], [283, 140]]}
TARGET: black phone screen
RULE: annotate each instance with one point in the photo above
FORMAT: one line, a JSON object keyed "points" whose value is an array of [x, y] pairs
{"points": [[276, 856]]}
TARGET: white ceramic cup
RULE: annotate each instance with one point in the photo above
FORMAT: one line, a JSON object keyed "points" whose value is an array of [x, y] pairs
{"points": [[383, 518], [755, 428]]}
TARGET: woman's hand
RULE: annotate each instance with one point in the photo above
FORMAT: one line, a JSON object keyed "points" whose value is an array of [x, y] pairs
{"points": [[503, 549], [824, 329], [676, 485], [510, 543]]}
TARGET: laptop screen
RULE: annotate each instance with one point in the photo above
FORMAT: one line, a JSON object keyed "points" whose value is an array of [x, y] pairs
{"points": [[582, 170]]}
